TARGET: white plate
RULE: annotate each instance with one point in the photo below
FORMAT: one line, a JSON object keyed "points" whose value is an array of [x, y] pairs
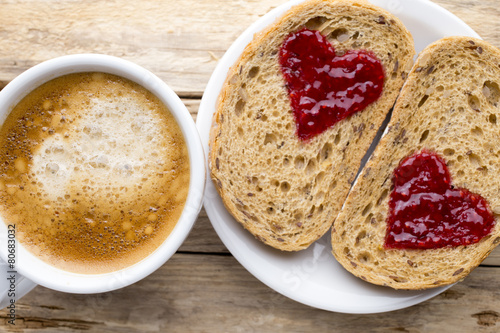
{"points": [[313, 277]]}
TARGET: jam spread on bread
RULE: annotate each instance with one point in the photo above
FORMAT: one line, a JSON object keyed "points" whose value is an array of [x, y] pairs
{"points": [[427, 212], [324, 87]]}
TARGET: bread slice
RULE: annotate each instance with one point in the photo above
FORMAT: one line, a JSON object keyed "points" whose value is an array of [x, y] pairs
{"points": [[449, 105], [287, 192]]}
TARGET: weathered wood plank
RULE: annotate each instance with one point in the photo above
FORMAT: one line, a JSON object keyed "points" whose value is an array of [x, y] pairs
{"points": [[192, 104], [493, 259], [479, 15], [207, 293], [203, 238], [180, 41]]}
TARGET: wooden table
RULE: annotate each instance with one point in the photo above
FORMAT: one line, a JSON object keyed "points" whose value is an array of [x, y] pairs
{"points": [[202, 287]]}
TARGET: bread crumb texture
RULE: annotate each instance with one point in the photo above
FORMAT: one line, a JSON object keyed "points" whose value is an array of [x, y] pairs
{"points": [[286, 192], [449, 105]]}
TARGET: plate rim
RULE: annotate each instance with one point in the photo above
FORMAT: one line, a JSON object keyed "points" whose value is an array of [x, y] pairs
{"points": [[206, 110]]}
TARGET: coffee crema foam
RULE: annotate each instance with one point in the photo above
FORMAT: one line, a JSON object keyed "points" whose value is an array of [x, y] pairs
{"points": [[94, 172]]}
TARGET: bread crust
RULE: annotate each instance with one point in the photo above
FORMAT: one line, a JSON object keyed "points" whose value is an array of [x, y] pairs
{"points": [[286, 192], [450, 105]]}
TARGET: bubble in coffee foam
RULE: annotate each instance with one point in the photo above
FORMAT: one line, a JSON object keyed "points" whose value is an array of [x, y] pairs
{"points": [[107, 171]]}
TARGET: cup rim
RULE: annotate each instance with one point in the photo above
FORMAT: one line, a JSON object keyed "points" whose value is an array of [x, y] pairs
{"points": [[55, 278]]}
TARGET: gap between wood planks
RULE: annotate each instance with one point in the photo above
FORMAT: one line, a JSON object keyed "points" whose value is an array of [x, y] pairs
{"points": [[222, 254]]}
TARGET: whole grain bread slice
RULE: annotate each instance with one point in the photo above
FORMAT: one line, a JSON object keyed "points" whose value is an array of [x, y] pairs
{"points": [[284, 191], [448, 105]]}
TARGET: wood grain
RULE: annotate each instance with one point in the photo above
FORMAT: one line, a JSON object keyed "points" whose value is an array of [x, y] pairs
{"points": [[180, 41], [478, 15], [210, 293], [203, 288], [203, 238]]}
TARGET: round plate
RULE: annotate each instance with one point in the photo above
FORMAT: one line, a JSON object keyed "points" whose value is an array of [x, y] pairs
{"points": [[313, 277]]}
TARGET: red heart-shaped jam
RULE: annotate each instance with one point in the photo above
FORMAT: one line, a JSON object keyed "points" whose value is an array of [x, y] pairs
{"points": [[427, 212], [325, 88]]}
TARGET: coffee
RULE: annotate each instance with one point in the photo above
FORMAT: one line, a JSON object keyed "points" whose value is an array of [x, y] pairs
{"points": [[94, 172]]}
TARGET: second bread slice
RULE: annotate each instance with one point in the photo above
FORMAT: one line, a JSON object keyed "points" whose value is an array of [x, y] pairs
{"points": [[450, 106]]}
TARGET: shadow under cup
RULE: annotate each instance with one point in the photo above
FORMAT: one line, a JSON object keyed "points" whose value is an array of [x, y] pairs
{"points": [[52, 277]]}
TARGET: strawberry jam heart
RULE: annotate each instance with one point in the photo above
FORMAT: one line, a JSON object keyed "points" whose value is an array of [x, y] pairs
{"points": [[427, 212], [325, 88]]}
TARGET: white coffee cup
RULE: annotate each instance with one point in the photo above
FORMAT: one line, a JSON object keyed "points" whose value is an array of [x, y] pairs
{"points": [[30, 269]]}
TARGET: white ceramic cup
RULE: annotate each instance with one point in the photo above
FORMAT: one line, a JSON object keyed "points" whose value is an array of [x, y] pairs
{"points": [[30, 269]]}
